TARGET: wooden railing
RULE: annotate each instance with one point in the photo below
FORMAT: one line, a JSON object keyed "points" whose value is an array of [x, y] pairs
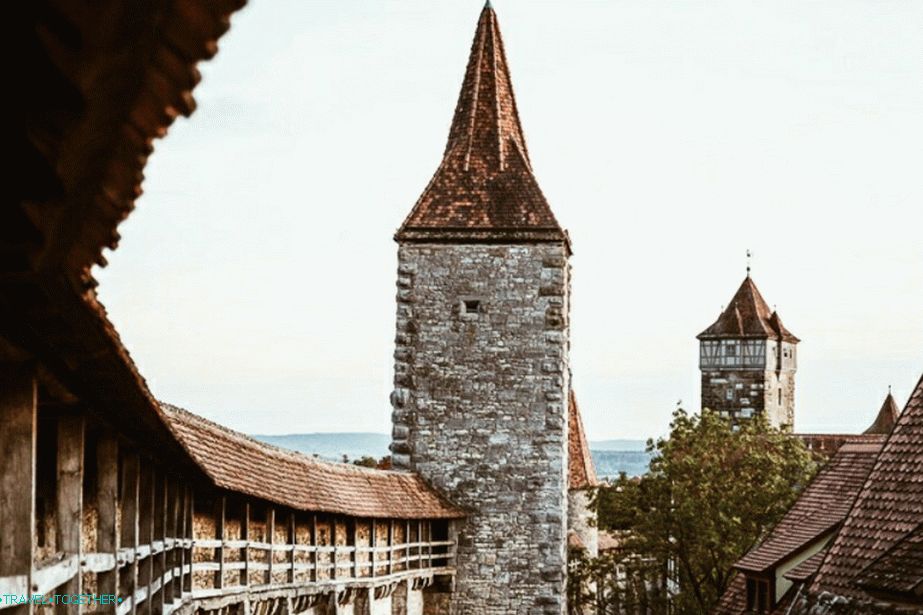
{"points": [[162, 541]]}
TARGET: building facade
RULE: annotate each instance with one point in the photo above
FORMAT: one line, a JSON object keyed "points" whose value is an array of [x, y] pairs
{"points": [[748, 361], [480, 405]]}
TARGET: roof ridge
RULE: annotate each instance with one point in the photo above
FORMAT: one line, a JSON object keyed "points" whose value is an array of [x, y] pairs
{"points": [[273, 448]]}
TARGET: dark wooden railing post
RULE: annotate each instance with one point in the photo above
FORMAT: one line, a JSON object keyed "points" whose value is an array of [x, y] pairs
{"points": [[129, 527], [292, 541], [373, 543], [270, 539], [407, 545], [314, 559], [169, 531], [69, 500], [391, 546], [159, 535], [245, 536], [18, 409], [189, 535], [146, 532], [354, 529], [107, 540], [220, 517]]}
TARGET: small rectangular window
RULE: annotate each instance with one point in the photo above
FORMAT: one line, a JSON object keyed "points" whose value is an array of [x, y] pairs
{"points": [[472, 306], [729, 394], [780, 397]]}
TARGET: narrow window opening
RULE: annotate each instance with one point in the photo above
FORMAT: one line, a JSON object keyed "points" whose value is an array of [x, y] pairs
{"points": [[472, 306], [780, 396]]}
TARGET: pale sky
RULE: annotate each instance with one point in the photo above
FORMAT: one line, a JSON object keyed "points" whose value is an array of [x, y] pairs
{"points": [[255, 281]]}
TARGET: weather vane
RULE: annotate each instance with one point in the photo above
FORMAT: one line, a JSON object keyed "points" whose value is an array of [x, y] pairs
{"points": [[748, 263]]}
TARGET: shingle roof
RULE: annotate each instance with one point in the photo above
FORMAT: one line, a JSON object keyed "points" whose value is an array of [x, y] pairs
{"points": [[899, 570], [806, 569], [484, 189], [581, 473], [239, 463], [748, 315], [819, 510], [889, 507], [887, 417]]}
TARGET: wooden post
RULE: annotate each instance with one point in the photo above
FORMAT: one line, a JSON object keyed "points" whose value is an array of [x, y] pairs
{"points": [[69, 500], [220, 515], [391, 546], [131, 469], [314, 559], [354, 528], [189, 534], [159, 535], [270, 538], [420, 544], [107, 539], [245, 536], [18, 409], [180, 535], [292, 540], [333, 542], [407, 545], [146, 533], [373, 544], [169, 532]]}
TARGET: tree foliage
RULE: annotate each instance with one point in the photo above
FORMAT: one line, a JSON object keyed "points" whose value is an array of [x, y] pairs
{"points": [[710, 496]]}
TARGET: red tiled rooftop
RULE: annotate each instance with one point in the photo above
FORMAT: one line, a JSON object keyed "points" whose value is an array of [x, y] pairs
{"points": [[889, 507], [819, 510], [581, 472], [484, 189], [748, 315], [239, 463]]}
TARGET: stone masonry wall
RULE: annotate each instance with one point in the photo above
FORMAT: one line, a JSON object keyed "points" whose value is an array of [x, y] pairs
{"points": [[481, 383], [740, 394]]}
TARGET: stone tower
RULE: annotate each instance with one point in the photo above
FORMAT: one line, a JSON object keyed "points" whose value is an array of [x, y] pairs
{"points": [[747, 358], [481, 361]]}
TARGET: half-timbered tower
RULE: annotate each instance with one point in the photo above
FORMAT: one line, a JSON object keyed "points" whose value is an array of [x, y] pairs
{"points": [[481, 359], [747, 359]]}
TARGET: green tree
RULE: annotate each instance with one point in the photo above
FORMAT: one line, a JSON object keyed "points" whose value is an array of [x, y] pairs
{"points": [[710, 496]]}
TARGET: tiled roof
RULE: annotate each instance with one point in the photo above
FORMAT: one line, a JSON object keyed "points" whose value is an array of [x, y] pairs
{"points": [[484, 189], [748, 315], [820, 508], [887, 417], [806, 569], [888, 508], [239, 463], [581, 473], [900, 570]]}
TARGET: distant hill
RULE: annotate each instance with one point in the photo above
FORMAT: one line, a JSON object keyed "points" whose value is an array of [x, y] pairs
{"points": [[610, 456], [333, 445], [617, 445]]}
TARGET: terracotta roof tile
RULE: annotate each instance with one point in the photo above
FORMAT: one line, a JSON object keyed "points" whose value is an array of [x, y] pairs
{"points": [[581, 473], [239, 463], [888, 508], [819, 510], [484, 189], [899, 570], [748, 315], [806, 569]]}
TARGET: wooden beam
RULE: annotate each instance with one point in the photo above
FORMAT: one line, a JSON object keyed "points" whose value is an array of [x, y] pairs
{"points": [[270, 538], [220, 518], [354, 530], [128, 539], [245, 536], [314, 573], [18, 409], [158, 564], [146, 533], [292, 540], [189, 533], [107, 492], [373, 542], [69, 500], [391, 546]]}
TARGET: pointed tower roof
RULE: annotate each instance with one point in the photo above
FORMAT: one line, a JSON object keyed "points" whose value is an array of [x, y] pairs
{"points": [[581, 472], [887, 417], [748, 315], [484, 189]]}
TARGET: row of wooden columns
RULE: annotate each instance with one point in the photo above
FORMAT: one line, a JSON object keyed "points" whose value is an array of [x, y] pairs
{"points": [[154, 508]]}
